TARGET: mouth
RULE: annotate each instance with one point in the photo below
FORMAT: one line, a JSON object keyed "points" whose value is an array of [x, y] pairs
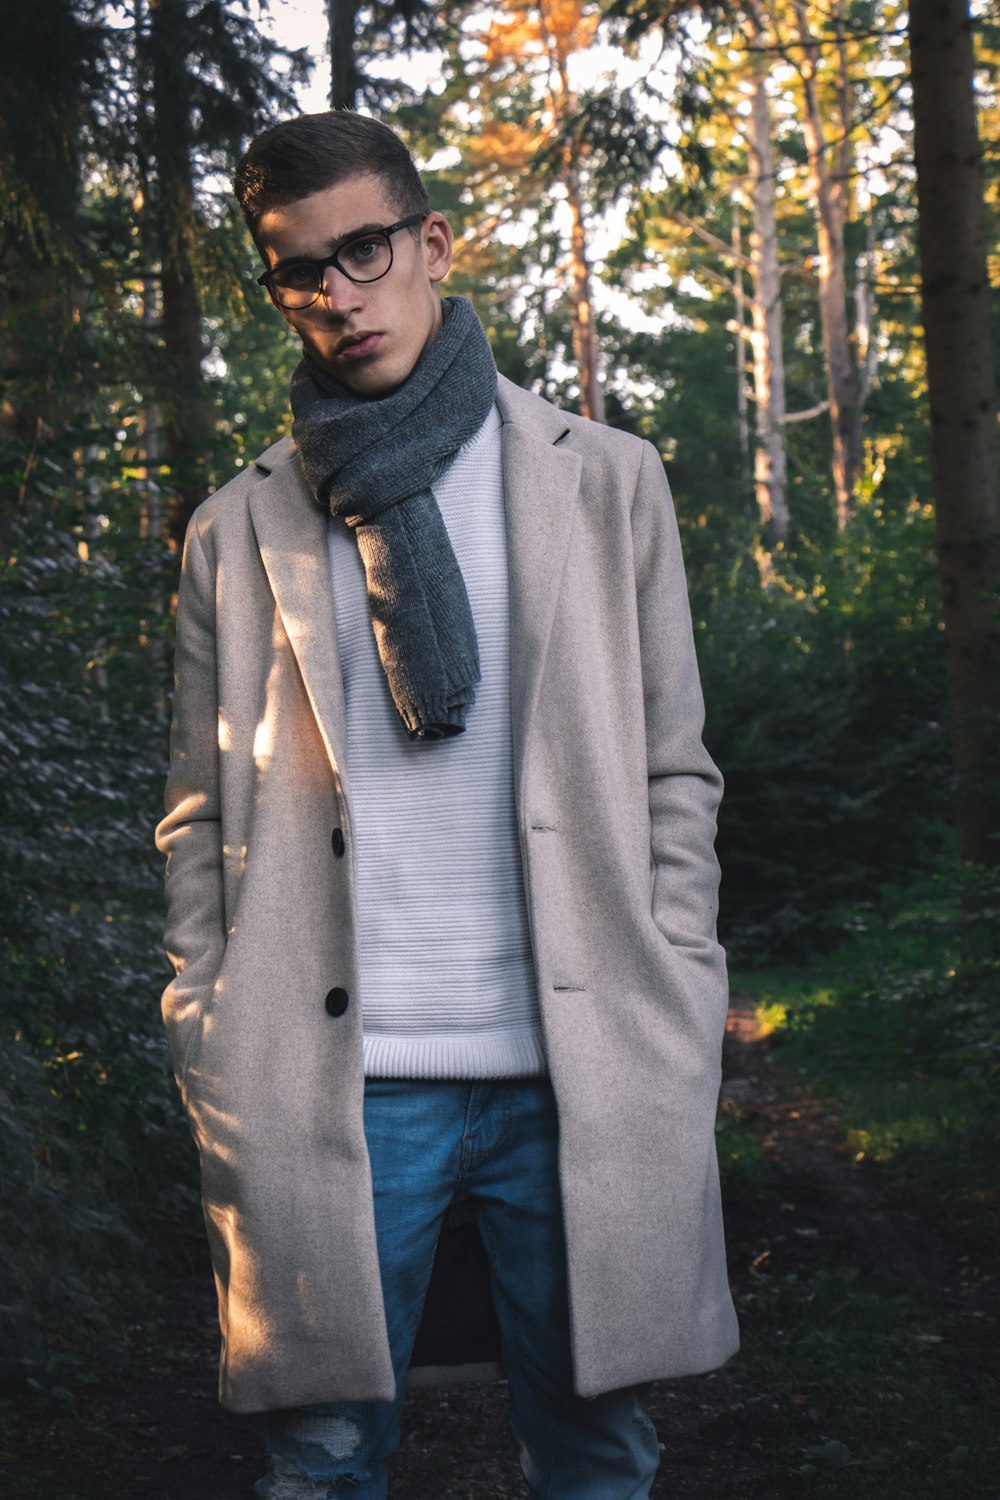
{"points": [[357, 344]]}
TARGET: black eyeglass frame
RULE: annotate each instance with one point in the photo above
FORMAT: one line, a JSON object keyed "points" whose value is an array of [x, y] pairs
{"points": [[320, 266]]}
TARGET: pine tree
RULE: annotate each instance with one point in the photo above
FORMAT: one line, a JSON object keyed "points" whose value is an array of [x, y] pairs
{"points": [[962, 395]]}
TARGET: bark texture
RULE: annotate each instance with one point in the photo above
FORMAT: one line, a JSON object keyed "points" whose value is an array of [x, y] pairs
{"points": [[962, 395], [343, 18], [770, 476], [585, 349], [829, 171], [561, 33], [188, 425], [742, 404], [47, 53]]}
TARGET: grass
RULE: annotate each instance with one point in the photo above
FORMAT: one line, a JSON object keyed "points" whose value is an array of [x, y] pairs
{"points": [[742, 1158], [869, 1398], [877, 1384], [900, 1031]]}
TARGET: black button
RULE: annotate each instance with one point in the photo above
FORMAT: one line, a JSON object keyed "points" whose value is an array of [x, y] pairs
{"points": [[336, 1002], [338, 842]]}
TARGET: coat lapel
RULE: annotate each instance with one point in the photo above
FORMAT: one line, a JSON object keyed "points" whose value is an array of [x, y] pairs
{"points": [[291, 534], [541, 489]]}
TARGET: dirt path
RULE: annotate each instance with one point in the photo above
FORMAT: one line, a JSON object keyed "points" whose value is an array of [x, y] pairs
{"points": [[155, 1432]]}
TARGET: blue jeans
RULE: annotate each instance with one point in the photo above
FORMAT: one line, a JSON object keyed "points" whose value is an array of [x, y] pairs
{"points": [[495, 1144]]}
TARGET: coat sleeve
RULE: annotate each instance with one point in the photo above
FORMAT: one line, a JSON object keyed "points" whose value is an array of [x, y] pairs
{"points": [[190, 834], [685, 787]]}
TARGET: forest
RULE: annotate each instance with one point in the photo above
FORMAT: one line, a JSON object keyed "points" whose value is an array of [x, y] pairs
{"points": [[763, 236]]}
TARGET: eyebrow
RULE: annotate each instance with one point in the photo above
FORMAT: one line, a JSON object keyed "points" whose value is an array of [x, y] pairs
{"points": [[335, 247]]}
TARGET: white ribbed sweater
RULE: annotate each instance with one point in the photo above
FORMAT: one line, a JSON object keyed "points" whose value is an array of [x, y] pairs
{"points": [[448, 986]]}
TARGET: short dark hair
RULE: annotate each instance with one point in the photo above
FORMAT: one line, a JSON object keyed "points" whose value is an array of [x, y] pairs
{"points": [[304, 155]]}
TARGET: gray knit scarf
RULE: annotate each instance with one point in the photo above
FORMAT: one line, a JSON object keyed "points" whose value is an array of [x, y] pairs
{"points": [[373, 463]]}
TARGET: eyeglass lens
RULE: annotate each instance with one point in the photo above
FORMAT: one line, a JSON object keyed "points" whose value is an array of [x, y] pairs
{"points": [[364, 259]]}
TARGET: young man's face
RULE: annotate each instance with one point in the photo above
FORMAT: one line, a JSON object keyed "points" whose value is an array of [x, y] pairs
{"points": [[370, 336]]}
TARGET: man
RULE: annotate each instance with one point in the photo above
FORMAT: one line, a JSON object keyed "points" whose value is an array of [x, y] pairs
{"points": [[441, 882]]}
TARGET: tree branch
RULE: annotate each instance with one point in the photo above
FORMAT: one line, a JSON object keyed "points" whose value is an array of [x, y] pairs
{"points": [[808, 413], [690, 226]]}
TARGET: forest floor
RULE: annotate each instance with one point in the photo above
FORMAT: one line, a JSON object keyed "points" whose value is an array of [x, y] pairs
{"points": [[870, 1319]]}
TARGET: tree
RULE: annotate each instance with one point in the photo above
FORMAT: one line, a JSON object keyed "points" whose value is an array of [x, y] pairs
{"points": [[204, 82], [955, 296], [52, 66], [768, 353], [829, 177], [187, 409], [512, 112], [823, 58], [204, 78], [344, 77], [738, 136], [361, 36]]}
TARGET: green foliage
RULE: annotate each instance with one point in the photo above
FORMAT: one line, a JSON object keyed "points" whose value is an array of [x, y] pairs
{"points": [[252, 351], [53, 68], [870, 1378], [387, 29], [742, 1158], [825, 697], [92, 1144], [892, 1411], [902, 1033]]}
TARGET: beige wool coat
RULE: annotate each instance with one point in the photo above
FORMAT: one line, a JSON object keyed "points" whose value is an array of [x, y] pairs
{"points": [[616, 803]]}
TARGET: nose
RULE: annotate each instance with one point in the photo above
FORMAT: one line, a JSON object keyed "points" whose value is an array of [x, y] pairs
{"points": [[339, 292]]}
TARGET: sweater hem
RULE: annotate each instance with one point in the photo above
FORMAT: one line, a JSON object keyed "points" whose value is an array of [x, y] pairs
{"points": [[480, 1055]]}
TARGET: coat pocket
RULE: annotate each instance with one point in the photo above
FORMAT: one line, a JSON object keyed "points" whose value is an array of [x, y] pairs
{"points": [[184, 1017]]}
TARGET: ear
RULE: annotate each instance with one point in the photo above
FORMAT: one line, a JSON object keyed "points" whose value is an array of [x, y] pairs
{"points": [[436, 238]]}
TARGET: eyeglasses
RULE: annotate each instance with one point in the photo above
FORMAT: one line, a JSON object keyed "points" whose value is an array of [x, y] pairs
{"points": [[366, 257]]}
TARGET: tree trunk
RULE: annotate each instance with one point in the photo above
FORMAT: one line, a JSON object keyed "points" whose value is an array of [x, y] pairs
{"points": [[585, 348], [742, 405], [186, 406], [343, 16], [768, 354], [150, 514], [47, 52], [829, 189], [563, 103], [865, 342], [151, 517], [962, 395]]}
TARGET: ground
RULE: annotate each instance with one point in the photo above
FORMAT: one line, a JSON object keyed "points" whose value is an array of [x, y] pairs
{"points": [[802, 1217]]}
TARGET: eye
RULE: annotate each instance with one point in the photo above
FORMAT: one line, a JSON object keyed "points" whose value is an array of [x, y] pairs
{"points": [[297, 277], [365, 253], [363, 249]]}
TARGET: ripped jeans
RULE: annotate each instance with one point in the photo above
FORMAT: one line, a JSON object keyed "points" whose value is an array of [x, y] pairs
{"points": [[495, 1144]]}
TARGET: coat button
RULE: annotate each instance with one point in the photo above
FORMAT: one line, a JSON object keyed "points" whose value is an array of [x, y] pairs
{"points": [[336, 1002], [338, 842]]}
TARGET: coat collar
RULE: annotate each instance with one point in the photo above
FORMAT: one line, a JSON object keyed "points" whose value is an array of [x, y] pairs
{"points": [[291, 533], [541, 489]]}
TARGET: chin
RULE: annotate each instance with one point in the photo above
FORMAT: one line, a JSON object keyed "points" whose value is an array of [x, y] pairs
{"points": [[372, 382], [371, 378]]}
